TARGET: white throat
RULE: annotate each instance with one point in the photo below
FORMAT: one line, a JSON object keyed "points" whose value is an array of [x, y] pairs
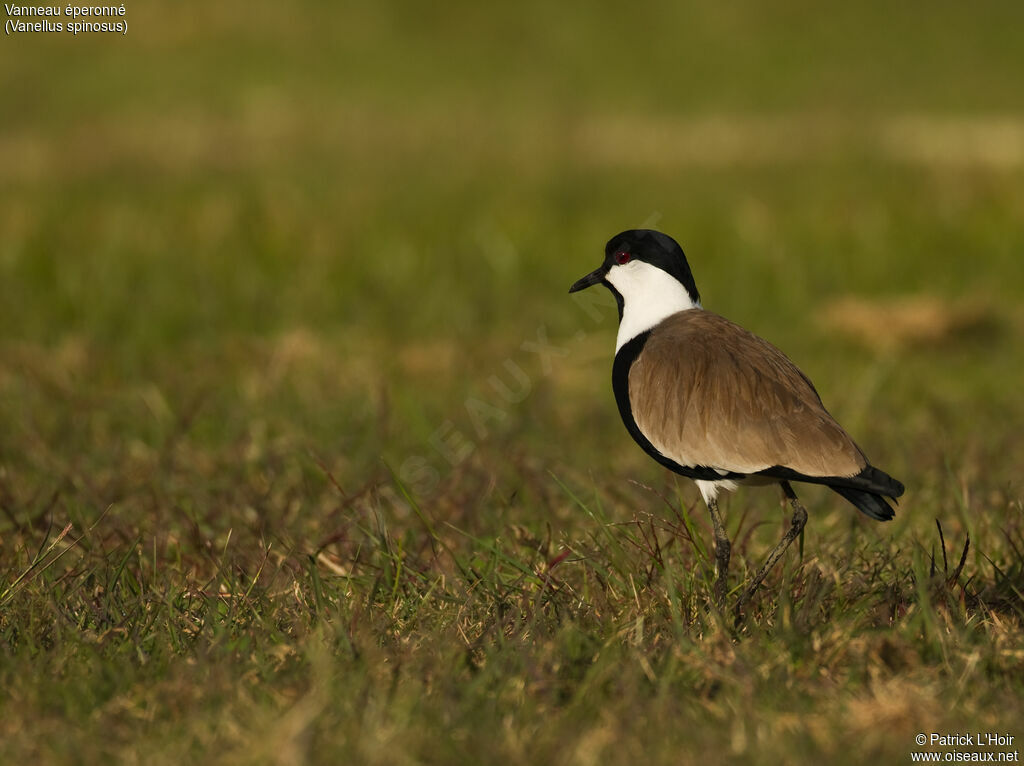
{"points": [[649, 296]]}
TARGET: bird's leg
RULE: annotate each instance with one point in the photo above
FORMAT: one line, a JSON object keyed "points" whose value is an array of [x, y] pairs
{"points": [[723, 550], [794, 531]]}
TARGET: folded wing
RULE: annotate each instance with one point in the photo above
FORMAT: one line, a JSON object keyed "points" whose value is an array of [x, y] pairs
{"points": [[706, 392]]}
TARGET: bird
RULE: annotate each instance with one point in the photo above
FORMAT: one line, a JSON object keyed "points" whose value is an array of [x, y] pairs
{"points": [[717, 404]]}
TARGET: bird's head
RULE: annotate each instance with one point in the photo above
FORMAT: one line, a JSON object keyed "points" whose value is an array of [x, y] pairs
{"points": [[648, 274]]}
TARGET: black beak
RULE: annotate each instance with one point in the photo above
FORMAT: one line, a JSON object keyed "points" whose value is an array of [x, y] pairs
{"points": [[593, 278]]}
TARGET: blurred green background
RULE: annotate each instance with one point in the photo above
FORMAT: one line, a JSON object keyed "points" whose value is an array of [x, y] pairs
{"points": [[397, 188], [249, 239], [382, 175]]}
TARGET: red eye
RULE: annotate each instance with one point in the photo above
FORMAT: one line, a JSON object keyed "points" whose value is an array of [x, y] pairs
{"points": [[622, 257]]}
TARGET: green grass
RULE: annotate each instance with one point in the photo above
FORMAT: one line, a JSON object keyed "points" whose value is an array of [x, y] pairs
{"points": [[261, 499]]}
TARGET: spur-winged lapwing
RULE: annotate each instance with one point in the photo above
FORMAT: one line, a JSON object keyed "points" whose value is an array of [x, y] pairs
{"points": [[717, 404]]}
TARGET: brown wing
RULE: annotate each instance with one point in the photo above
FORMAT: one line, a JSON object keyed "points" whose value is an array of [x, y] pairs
{"points": [[705, 392]]}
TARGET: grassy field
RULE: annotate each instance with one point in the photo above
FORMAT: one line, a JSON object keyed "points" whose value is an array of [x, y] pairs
{"points": [[307, 456]]}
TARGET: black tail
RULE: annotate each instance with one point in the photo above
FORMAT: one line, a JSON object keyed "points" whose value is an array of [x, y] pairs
{"points": [[867, 490], [869, 497], [869, 503], [880, 482]]}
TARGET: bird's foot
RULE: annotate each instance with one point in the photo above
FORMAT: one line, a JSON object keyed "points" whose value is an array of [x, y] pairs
{"points": [[794, 531]]}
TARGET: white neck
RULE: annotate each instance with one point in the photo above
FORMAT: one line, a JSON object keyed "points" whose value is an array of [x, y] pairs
{"points": [[649, 296]]}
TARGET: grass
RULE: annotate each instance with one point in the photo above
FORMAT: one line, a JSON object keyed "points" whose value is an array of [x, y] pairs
{"points": [[306, 455]]}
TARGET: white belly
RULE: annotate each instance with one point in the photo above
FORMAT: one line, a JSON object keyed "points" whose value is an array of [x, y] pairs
{"points": [[709, 489]]}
